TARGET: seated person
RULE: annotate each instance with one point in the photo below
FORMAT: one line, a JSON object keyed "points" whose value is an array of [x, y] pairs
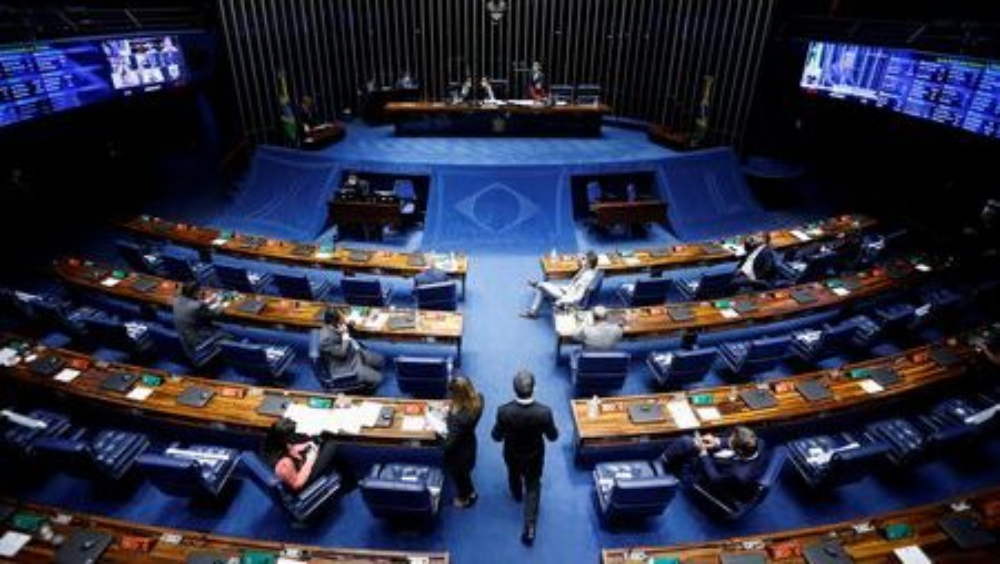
{"points": [[406, 81], [430, 275], [564, 295], [486, 91], [599, 334], [355, 187], [728, 466], [194, 320], [297, 459], [466, 93], [760, 263], [342, 353]]}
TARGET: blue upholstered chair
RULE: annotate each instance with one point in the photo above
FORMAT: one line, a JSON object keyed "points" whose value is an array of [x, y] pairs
{"points": [[257, 359], [300, 505], [344, 381], [423, 377], [894, 319], [813, 345], [365, 292], [190, 471], [948, 425], [300, 287], [867, 331], [724, 505], [140, 258], [441, 296], [758, 355], [907, 443], [106, 331], [644, 292], [183, 269], [19, 439], [109, 454], [707, 286], [54, 312], [13, 306], [403, 491], [594, 192], [632, 489], [598, 372], [167, 345], [808, 270], [681, 367], [242, 280], [829, 461], [407, 194]]}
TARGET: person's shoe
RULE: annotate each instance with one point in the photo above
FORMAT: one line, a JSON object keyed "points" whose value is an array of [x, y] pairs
{"points": [[460, 503], [518, 496], [473, 498], [528, 314], [532, 283], [528, 535]]}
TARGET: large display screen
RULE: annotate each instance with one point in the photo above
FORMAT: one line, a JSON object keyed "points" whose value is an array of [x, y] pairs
{"points": [[38, 79], [961, 92]]}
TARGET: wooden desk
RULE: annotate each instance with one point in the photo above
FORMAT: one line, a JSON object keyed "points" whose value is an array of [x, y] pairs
{"points": [[174, 545], [760, 307], [208, 240], [916, 368], [371, 215], [233, 408], [610, 214], [323, 135], [703, 253], [277, 313], [520, 118], [863, 539]]}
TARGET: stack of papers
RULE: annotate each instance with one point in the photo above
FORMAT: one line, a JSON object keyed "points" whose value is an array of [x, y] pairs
{"points": [[800, 235], [413, 423], [12, 542], [871, 386], [683, 415], [840, 291], [140, 393], [8, 357], [707, 414], [911, 555], [110, 282], [67, 375], [729, 313]]}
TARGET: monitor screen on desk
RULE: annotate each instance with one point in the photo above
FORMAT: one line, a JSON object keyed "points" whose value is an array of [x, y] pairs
{"points": [[961, 92]]}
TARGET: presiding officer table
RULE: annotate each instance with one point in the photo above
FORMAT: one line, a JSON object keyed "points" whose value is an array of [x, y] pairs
{"points": [[918, 533], [387, 324], [518, 118]]}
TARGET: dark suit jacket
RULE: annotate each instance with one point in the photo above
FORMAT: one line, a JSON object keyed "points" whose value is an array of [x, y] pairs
{"points": [[523, 428], [432, 275], [733, 477], [193, 322], [764, 263], [460, 444], [340, 358]]}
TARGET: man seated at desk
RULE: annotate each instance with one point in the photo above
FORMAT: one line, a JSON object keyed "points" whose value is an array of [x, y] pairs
{"points": [[354, 188], [565, 295], [406, 81], [343, 354], [194, 320], [486, 94], [761, 262], [538, 84], [599, 334], [727, 466]]}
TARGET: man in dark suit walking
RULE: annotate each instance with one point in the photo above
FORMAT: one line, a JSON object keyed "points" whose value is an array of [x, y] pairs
{"points": [[522, 425]]}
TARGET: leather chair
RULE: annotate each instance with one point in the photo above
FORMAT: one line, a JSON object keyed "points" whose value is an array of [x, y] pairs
{"points": [[946, 425], [598, 372], [810, 346], [183, 269], [109, 454], [403, 491], [140, 258], [852, 458], [707, 286], [53, 312], [365, 292], [423, 377], [907, 443], [680, 367], [441, 296], [894, 319], [632, 489], [242, 280], [19, 439], [298, 287], [256, 359], [344, 381], [758, 355], [407, 194], [167, 344], [726, 506], [300, 505], [106, 331], [190, 471], [644, 292]]}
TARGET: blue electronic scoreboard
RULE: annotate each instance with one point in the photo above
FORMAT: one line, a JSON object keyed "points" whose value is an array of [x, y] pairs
{"points": [[961, 92], [42, 78]]}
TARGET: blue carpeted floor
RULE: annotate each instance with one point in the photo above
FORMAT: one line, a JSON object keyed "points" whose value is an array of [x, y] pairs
{"points": [[497, 344]]}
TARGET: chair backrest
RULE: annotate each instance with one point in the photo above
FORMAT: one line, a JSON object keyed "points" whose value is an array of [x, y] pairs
{"points": [[422, 376], [838, 336], [263, 475], [293, 286], [404, 190], [593, 290], [20, 438], [71, 454], [363, 291], [319, 367], [178, 268], [441, 296], [166, 342], [594, 191], [107, 332], [397, 499], [764, 354], [642, 496], [234, 278], [243, 355], [173, 476], [600, 370], [853, 465], [651, 291], [134, 255], [51, 311], [689, 365], [716, 283]]}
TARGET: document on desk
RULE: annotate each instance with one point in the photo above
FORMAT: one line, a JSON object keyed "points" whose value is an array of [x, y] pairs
{"points": [[67, 375], [313, 421], [871, 386], [413, 423], [729, 313], [110, 282], [566, 323], [800, 235], [368, 413], [707, 414], [912, 554], [684, 417], [12, 542]]}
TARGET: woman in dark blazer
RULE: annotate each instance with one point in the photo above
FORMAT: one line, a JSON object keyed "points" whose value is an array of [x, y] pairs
{"points": [[460, 441]]}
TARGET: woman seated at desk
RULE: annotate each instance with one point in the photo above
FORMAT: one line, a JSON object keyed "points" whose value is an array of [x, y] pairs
{"points": [[297, 459]]}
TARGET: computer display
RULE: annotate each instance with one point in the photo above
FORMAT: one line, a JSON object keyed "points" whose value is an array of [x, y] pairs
{"points": [[38, 79], [961, 92]]}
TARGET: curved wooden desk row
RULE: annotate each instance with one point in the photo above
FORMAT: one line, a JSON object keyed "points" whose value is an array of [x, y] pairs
{"points": [[848, 387], [387, 324], [758, 307], [890, 537], [134, 542], [227, 406], [702, 253]]}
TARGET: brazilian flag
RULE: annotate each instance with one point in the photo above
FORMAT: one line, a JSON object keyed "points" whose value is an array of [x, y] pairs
{"points": [[289, 124]]}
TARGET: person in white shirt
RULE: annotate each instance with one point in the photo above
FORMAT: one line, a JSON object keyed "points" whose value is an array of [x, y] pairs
{"points": [[565, 295], [760, 263]]}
